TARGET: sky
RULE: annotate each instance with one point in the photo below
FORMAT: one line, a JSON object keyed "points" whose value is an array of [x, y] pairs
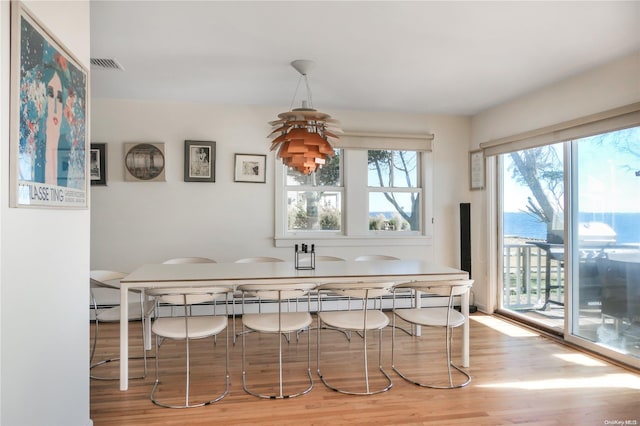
{"points": [[606, 181]]}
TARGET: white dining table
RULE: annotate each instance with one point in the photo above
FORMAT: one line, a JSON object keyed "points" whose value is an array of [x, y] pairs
{"points": [[234, 274]]}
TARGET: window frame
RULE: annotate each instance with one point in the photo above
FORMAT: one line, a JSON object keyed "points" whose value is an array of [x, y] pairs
{"points": [[310, 188], [418, 188], [355, 206]]}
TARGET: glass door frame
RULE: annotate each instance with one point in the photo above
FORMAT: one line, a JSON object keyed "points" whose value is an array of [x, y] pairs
{"points": [[494, 201], [495, 211], [572, 315]]}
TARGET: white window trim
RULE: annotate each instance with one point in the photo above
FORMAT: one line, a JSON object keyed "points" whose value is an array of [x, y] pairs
{"points": [[603, 122], [399, 189], [302, 188], [355, 196]]}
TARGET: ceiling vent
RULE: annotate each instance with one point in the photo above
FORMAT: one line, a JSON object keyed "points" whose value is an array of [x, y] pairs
{"points": [[106, 64]]}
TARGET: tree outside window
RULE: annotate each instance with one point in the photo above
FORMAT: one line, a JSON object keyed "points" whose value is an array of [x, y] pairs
{"points": [[394, 193], [314, 201]]}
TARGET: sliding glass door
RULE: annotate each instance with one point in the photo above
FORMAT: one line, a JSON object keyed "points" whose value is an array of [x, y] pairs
{"points": [[605, 241], [569, 216], [532, 235]]}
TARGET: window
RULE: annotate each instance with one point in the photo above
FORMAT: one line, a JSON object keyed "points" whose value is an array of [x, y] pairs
{"points": [[394, 192], [314, 202], [365, 192]]}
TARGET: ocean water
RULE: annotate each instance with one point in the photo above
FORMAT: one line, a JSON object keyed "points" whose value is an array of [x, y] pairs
{"points": [[626, 225], [517, 224]]}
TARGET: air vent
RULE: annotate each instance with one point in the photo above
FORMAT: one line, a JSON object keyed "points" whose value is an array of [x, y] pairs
{"points": [[106, 64]]}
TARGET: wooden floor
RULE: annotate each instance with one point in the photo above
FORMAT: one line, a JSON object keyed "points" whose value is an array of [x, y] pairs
{"points": [[519, 377]]}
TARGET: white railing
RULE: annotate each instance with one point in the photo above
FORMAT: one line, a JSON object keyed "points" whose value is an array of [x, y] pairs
{"points": [[524, 277]]}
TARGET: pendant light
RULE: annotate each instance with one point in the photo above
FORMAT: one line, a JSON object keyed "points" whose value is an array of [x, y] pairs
{"points": [[303, 137]]}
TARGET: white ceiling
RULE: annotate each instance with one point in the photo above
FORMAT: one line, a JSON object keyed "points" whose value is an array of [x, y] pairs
{"points": [[419, 56]]}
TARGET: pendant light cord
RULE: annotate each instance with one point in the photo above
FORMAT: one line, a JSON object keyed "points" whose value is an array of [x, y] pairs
{"points": [[309, 96]]}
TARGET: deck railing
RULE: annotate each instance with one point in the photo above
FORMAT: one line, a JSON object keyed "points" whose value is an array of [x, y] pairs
{"points": [[524, 276]]}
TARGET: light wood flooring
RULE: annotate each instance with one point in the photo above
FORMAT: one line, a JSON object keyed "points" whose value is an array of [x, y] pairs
{"points": [[519, 377]]}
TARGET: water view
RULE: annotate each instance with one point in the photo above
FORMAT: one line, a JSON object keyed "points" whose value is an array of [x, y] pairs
{"points": [[604, 227]]}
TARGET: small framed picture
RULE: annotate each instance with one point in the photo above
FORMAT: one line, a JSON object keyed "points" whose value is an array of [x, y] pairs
{"points": [[199, 161], [476, 169], [98, 164], [144, 162], [250, 168]]}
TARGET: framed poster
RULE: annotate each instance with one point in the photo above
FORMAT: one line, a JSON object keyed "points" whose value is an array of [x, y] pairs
{"points": [[476, 170], [144, 162], [199, 161], [98, 164], [250, 168], [48, 113]]}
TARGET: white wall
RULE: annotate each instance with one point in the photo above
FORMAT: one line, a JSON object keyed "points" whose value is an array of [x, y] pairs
{"points": [[600, 89], [135, 223], [603, 88], [44, 264]]}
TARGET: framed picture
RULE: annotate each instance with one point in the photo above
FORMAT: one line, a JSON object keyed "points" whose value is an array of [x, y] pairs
{"points": [[144, 162], [199, 161], [48, 118], [250, 168], [476, 170], [98, 164]]}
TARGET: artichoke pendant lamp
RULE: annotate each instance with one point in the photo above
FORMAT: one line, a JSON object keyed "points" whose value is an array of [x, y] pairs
{"points": [[303, 137]]}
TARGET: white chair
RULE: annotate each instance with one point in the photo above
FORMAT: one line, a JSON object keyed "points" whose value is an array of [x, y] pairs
{"points": [[179, 260], [187, 260], [373, 257], [237, 295], [189, 327], [110, 281], [258, 259], [446, 317], [282, 323], [366, 257], [362, 321], [325, 258]]}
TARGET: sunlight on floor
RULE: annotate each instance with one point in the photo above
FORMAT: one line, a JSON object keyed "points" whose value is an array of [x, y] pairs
{"points": [[628, 381], [503, 326], [581, 359]]}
